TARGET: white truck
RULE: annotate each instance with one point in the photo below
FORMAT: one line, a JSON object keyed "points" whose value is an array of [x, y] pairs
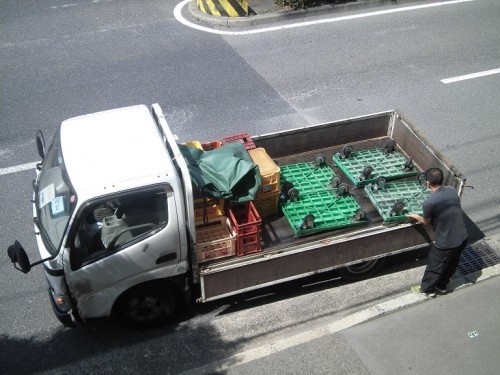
{"points": [[115, 222]]}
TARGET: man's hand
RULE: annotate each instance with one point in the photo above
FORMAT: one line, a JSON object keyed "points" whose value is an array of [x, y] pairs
{"points": [[418, 218]]}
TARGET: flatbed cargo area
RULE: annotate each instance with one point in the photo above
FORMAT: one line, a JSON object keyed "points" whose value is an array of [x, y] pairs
{"points": [[286, 255], [277, 233]]}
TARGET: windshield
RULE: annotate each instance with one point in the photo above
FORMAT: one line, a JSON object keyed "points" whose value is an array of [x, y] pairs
{"points": [[54, 197]]}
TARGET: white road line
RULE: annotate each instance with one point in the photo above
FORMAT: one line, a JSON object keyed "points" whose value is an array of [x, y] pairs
{"points": [[63, 6], [17, 168], [178, 15], [470, 76]]}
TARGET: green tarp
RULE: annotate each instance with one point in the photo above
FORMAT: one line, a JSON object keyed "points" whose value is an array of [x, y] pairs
{"points": [[227, 172]]}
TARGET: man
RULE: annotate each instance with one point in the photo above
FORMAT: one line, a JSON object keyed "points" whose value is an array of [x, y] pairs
{"points": [[443, 211]]}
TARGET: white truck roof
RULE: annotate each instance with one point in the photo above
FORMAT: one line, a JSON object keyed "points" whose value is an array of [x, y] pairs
{"points": [[114, 150]]}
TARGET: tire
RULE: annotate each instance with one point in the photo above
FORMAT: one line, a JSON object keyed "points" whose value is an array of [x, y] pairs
{"points": [[361, 270], [146, 307]]}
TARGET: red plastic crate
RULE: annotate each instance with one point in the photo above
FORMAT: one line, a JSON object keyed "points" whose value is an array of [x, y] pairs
{"points": [[243, 138], [248, 244], [207, 146], [246, 223], [244, 218]]}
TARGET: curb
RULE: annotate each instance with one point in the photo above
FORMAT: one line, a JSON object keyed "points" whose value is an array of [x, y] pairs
{"points": [[370, 313], [280, 15]]}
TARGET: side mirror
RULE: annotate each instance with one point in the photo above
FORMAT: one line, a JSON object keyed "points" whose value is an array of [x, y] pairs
{"points": [[18, 255], [40, 144]]}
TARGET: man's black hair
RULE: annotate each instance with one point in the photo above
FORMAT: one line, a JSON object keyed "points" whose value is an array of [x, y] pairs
{"points": [[434, 176]]}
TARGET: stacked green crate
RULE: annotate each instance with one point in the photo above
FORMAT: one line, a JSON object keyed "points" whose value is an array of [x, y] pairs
{"points": [[317, 206], [307, 177], [391, 165], [408, 195], [329, 212]]}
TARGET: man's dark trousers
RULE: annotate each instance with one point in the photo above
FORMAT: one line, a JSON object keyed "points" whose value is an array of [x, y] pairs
{"points": [[441, 265]]}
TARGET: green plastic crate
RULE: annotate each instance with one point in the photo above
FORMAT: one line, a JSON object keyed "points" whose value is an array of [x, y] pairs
{"points": [[330, 212], [390, 166], [306, 177], [410, 193]]}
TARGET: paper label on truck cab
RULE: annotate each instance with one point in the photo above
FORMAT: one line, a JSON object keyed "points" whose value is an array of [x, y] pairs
{"points": [[46, 195], [57, 206]]}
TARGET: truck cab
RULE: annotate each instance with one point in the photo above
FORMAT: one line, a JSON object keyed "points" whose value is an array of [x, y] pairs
{"points": [[109, 216]]}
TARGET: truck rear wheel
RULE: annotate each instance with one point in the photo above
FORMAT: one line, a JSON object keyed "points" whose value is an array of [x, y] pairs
{"points": [[361, 270], [145, 307]]}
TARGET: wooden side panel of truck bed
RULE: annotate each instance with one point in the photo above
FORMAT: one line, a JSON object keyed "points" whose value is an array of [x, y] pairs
{"points": [[317, 257]]}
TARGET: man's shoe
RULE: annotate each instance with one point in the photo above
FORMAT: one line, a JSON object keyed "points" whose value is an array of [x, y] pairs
{"points": [[440, 291], [417, 289]]}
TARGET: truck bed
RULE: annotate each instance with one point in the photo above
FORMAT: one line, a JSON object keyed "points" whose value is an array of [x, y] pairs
{"points": [[285, 256]]}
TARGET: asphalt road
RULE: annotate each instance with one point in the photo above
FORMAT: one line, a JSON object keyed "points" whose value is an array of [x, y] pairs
{"points": [[454, 334], [60, 59]]}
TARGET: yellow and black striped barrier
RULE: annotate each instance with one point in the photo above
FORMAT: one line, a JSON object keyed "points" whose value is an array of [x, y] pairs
{"points": [[224, 8]]}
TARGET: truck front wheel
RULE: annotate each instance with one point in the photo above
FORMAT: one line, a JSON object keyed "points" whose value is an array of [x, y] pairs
{"points": [[146, 306], [361, 270]]}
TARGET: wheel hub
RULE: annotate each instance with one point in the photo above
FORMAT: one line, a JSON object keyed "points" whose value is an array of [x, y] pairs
{"points": [[145, 308]]}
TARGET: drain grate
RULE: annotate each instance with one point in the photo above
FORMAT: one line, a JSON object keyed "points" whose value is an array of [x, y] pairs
{"points": [[475, 258]]}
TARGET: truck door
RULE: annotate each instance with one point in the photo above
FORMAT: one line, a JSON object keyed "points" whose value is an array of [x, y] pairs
{"points": [[119, 241]]}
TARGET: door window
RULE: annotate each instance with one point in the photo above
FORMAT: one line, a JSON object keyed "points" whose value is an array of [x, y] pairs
{"points": [[114, 223]]}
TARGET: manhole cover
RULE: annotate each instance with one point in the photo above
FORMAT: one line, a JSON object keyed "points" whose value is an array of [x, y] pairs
{"points": [[476, 257]]}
